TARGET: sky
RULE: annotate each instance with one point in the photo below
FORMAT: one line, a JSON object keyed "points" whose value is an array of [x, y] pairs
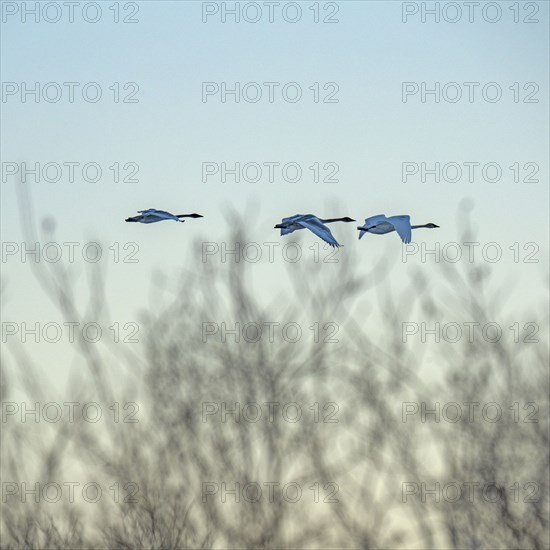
{"points": [[350, 108], [163, 123]]}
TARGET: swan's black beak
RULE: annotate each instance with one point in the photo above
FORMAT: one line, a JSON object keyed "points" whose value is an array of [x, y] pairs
{"points": [[361, 228], [278, 226], [129, 220]]}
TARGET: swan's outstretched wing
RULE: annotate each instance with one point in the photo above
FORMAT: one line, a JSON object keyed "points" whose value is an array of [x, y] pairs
{"points": [[163, 215], [287, 230], [159, 213], [402, 225], [373, 220], [321, 230], [292, 219]]}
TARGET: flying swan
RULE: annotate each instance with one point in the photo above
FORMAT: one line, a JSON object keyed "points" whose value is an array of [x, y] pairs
{"points": [[152, 215], [381, 225], [313, 223]]}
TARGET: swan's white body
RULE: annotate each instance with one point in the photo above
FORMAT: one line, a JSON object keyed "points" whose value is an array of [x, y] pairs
{"points": [[313, 223], [380, 225], [152, 215]]}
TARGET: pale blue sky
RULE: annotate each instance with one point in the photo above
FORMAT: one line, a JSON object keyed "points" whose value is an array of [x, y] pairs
{"points": [[170, 132]]}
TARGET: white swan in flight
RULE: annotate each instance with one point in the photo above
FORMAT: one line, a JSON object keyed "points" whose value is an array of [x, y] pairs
{"points": [[152, 215], [381, 225], [313, 223]]}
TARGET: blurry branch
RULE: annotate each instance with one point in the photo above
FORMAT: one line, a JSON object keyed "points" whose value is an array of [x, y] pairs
{"points": [[369, 452]]}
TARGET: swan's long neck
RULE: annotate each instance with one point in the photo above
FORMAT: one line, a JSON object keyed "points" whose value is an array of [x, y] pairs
{"points": [[330, 220], [419, 226]]}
